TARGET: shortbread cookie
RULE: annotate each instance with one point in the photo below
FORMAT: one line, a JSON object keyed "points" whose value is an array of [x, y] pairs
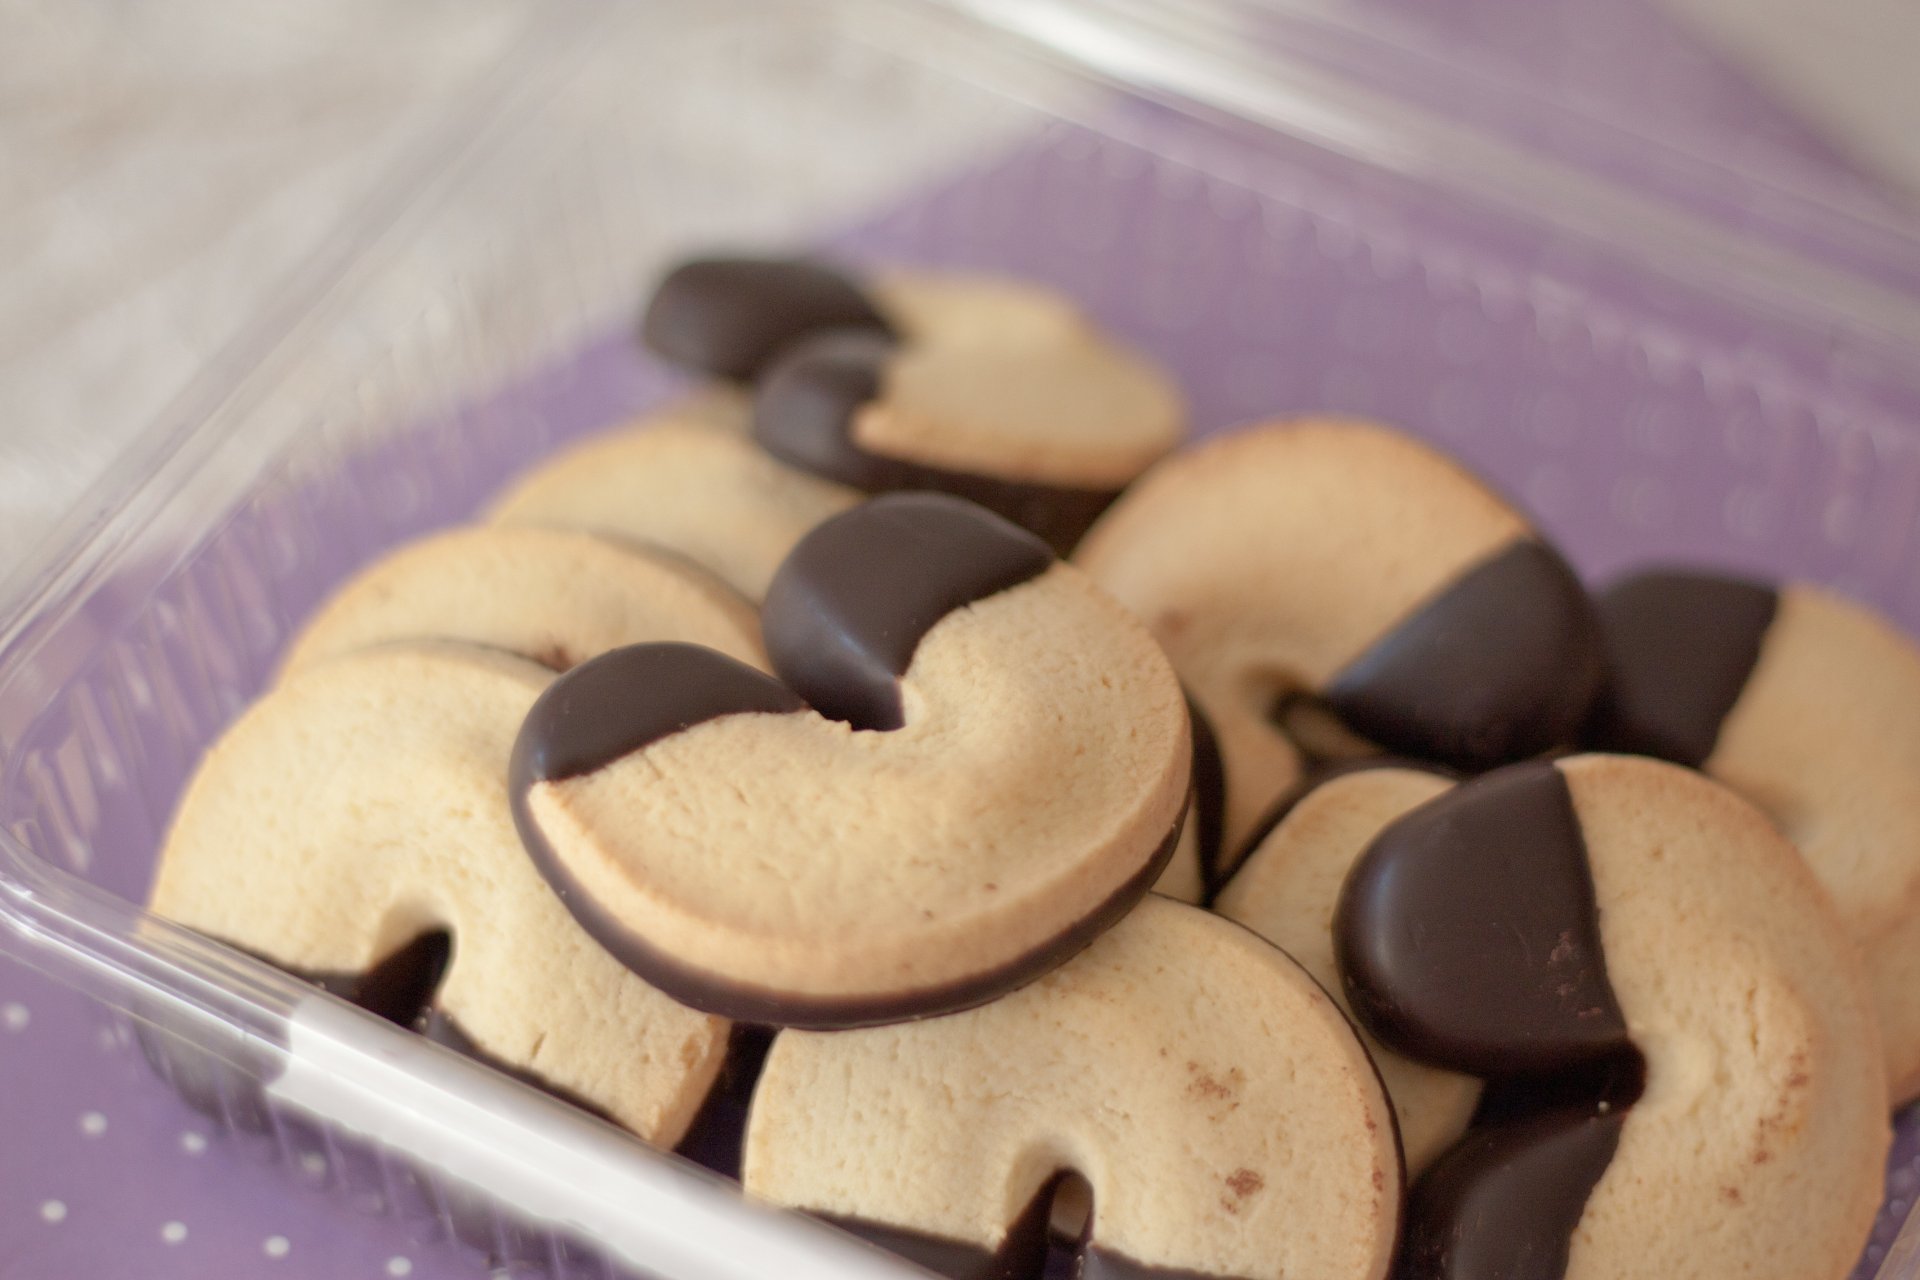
{"points": [[976, 762], [1218, 1104], [1347, 565], [999, 392], [1705, 1095], [1286, 890], [728, 317], [553, 595], [708, 494], [1809, 705], [362, 804]]}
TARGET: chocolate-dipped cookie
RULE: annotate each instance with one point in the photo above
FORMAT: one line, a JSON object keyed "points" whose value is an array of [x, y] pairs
{"points": [[1217, 1103], [553, 595], [1346, 568], [728, 317], [360, 808], [679, 483], [997, 391], [1687, 1075], [1809, 705], [974, 761], [1286, 889]]}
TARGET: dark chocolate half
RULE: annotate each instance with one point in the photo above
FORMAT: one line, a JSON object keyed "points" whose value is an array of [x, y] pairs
{"points": [[1503, 1202], [1503, 664], [1679, 646], [729, 317], [740, 1002], [1610, 1083], [849, 605], [614, 705], [1468, 936], [803, 411]]}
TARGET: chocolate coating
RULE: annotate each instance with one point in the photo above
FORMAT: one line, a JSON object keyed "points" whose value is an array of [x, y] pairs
{"points": [[625, 699], [738, 1002], [1503, 1203], [1613, 1082], [803, 413], [729, 317], [850, 603], [1501, 665], [1679, 646], [1468, 936]]}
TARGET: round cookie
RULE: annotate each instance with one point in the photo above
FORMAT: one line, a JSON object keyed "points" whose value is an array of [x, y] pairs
{"points": [[997, 391], [1704, 1093], [1217, 1103], [553, 595], [681, 484], [976, 763], [1347, 567], [361, 806], [1808, 705], [728, 317], [1286, 889]]}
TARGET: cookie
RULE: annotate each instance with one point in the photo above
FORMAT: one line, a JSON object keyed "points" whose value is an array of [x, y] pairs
{"points": [[552, 595], [1809, 705], [361, 807], [1345, 567], [1286, 889], [728, 317], [678, 483], [1214, 1099], [1693, 1080], [976, 762], [999, 392]]}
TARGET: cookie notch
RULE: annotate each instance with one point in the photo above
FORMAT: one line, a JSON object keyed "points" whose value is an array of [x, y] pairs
{"points": [[853, 617]]}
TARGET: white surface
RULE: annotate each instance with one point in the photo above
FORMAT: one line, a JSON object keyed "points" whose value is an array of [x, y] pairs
{"points": [[1852, 67], [161, 167], [164, 168]]}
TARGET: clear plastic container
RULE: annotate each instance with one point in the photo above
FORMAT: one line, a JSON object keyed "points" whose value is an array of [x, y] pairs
{"points": [[1651, 380]]}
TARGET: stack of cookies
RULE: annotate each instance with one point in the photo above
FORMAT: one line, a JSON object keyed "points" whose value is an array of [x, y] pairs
{"points": [[898, 777]]}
